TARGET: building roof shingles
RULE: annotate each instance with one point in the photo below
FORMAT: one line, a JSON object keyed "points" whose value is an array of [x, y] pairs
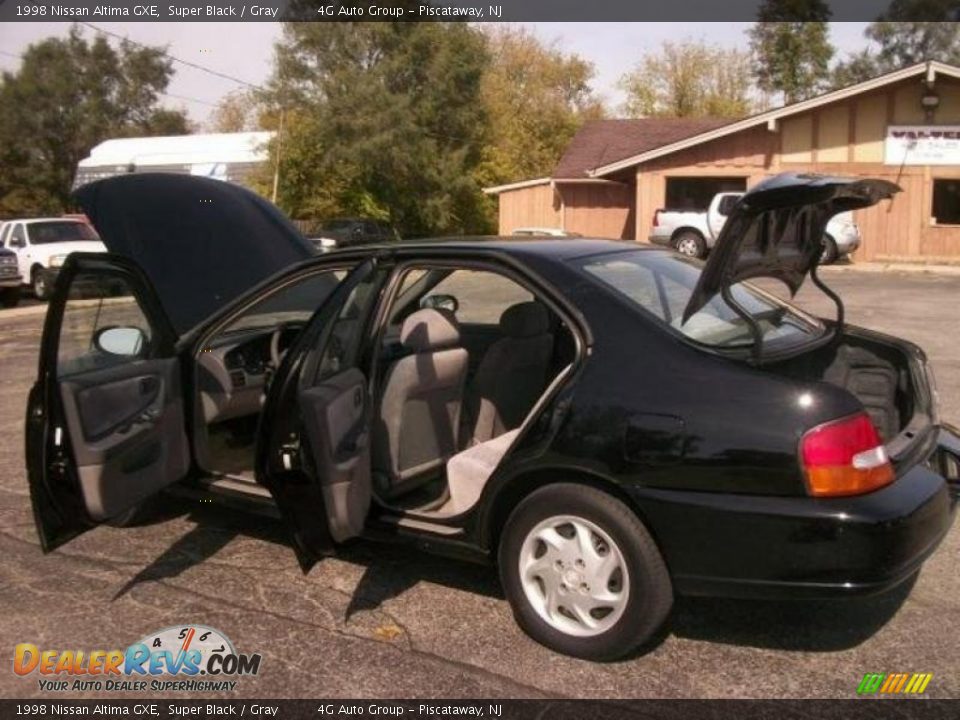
{"points": [[601, 142]]}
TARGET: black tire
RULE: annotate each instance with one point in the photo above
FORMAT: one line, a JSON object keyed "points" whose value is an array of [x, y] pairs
{"points": [[830, 252], [650, 595], [40, 284], [690, 243], [9, 297]]}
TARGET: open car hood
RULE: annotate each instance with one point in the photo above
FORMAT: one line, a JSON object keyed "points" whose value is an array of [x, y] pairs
{"points": [[776, 230], [201, 242]]}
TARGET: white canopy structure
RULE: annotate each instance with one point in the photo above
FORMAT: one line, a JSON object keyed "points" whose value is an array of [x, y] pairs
{"points": [[226, 156]]}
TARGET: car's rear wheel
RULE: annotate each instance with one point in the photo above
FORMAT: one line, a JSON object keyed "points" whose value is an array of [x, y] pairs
{"points": [[10, 297], [38, 281], [582, 574], [830, 252], [690, 243]]}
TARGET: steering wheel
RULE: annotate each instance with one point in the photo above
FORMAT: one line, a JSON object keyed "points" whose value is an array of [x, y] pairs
{"points": [[276, 354]]}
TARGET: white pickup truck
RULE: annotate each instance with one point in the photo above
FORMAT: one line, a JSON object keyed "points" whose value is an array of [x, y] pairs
{"points": [[42, 244], [693, 232]]}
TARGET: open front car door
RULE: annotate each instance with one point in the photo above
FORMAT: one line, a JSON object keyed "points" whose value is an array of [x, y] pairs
{"points": [[105, 420], [313, 450]]}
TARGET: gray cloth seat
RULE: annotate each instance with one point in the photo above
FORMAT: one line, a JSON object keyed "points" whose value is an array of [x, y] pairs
{"points": [[513, 372], [420, 406]]}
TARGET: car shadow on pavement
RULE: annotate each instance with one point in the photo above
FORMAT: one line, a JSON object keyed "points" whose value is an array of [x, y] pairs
{"points": [[392, 570], [215, 528], [810, 625]]}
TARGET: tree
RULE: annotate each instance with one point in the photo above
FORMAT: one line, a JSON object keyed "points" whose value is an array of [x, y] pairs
{"points": [[897, 41], [535, 98], [791, 48], [235, 112], [69, 95], [382, 119], [689, 79]]}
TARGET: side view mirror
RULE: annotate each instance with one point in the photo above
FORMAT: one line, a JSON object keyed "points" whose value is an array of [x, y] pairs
{"points": [[123, 341], [440, 302], [17, 242]]}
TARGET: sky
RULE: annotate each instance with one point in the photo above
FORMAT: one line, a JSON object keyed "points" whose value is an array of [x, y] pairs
{"points": [[245, 50]]}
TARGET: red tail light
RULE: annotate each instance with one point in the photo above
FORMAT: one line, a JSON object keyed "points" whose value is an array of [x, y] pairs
{"points": [[845, 457], [656, 218]]}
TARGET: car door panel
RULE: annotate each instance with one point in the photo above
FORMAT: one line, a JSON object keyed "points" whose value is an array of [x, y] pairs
{"points": [[128, 435], [314, 456], [336, 417], [104, 430]]}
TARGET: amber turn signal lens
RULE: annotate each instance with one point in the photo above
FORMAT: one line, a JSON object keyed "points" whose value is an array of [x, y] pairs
{"points": [[845, 457]]}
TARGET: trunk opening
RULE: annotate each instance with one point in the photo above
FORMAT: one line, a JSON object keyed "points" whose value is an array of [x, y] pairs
{"points": [[883, 374]]}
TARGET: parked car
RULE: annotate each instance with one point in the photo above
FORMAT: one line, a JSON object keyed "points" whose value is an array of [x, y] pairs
{"points": [[612, 425], [42, 246], [543, 232], [9, 278], [694, 233], [347, 232]]}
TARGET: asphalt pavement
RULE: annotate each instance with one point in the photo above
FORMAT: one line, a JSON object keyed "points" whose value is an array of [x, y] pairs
{"points": [[385, 622]]}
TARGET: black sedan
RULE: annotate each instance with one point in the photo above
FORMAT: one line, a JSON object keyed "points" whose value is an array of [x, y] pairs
{"points": [[611, 424]]}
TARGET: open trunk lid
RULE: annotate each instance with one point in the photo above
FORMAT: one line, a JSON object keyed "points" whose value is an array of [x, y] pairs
{"points": [[776, 230], [201, 242]]}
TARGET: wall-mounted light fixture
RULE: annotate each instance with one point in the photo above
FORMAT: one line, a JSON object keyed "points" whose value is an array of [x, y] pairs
{"points": [[929, 101]]}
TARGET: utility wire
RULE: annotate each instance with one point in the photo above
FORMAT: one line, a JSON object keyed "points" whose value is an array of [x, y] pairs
{"points": [[187, 63]]}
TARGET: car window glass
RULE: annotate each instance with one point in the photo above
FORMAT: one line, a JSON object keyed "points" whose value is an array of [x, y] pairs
{"points": [[295, 302], [342, 341], [17, 238], [95, 302], [661, 283], [57, 232], [481, 295], [4, 231]]}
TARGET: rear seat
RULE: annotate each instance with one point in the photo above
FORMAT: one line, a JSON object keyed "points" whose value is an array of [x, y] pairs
{"points": [[468, 471]]}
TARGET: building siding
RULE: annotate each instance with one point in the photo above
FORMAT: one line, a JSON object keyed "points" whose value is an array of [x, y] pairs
{"points": [[844, 138]]}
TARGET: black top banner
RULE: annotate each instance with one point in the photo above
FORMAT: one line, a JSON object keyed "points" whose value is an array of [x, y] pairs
{"points": [[456, 10]]}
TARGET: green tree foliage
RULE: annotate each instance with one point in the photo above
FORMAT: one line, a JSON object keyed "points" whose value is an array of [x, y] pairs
{"points": [[236, 112], [383, 120], [536, 97], [689, 79], [791, 46], [897, 42], [69, 95]]}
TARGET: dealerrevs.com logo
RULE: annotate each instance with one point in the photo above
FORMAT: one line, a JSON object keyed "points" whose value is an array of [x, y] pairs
{"points": [[179, 658]]}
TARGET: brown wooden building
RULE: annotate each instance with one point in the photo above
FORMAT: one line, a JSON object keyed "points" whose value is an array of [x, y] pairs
{"points": [[903, 126]]}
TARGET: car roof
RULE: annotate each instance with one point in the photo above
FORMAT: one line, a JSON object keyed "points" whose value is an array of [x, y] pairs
{"points": [[548, 247]]}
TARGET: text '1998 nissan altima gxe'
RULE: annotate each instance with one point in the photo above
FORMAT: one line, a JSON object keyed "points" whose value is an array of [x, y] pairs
{"points": [[612, 425]]}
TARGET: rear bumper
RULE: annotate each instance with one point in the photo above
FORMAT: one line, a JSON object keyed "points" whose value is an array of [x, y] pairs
{"points": [[748, 546]]}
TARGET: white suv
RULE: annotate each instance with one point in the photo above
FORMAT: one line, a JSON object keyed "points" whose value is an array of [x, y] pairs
{"points": [[42, 246]]}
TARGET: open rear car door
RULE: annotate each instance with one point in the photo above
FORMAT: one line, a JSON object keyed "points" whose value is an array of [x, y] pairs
{"points": [[105, 420], [313, 451]]}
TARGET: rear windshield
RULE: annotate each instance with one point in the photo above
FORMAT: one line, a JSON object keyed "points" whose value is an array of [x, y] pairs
{"points": [[661, 284], [56, 232]]}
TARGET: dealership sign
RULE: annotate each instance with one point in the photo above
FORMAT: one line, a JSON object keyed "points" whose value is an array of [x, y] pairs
{"points": [[922, 145]]}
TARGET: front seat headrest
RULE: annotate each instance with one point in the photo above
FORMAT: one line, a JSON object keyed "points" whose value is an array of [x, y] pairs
{"points": [[525, 320], [430, 329]]}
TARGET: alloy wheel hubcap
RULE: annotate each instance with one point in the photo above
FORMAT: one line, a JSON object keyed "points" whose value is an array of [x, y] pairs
{"points": [[574, 575], [687, 247]]}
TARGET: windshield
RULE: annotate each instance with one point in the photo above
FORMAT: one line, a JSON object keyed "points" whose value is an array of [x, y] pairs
{"points": [[56, 232], [661, 283], [295, 302]]}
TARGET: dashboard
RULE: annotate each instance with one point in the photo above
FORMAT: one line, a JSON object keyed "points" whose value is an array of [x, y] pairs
{"points": [[233, 370]]}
